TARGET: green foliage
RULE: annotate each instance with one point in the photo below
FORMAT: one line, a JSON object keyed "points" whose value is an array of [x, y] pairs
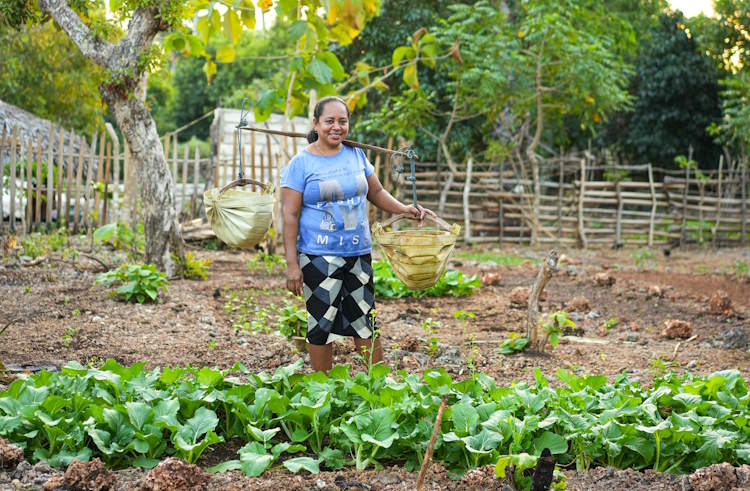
{"points": [[642, 256], [269, 262], [430, 326], [514, 343], [120, 236], [292, 320], [554, 324], [451, 283], [464, 315], [193, 267], [741, 269], [44, 73], [137, 282], [38, 244], [677, 98], [246, 314], [611, 322], [128, 415]]}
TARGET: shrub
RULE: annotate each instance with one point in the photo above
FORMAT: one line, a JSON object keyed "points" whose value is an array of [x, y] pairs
{"points": [[137, 282], [292, 320], [195, 268]]}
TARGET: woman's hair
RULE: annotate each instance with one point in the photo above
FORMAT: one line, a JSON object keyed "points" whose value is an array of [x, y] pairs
{"points": [[312, 135]]}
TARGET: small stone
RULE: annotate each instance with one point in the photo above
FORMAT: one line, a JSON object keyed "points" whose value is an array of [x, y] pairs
{"points": [[675, 328], [519, 296], [605, 266], [604, 279], [206, 319], [10, 455], [593, 315], [655, 291], [97, 318], [632, 337], [578, 304], [492, 279], [320, 484], [692, 365], [735, 338], [720, 303]]}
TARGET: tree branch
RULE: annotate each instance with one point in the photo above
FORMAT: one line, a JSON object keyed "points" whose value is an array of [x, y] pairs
{"points": [[101, 52]]}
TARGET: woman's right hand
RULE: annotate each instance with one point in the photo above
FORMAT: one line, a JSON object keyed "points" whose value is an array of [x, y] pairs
{"points": [[294, 279]]}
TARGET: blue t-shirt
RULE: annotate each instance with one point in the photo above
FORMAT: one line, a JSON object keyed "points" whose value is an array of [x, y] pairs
{"points": [[333, 220]]}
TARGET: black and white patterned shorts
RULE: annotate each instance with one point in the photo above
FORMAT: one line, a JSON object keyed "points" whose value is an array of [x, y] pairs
{"points": [[339, 295]]}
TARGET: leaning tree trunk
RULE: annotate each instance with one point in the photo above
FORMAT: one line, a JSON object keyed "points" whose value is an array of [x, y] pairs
{"points": [[160, 224]]}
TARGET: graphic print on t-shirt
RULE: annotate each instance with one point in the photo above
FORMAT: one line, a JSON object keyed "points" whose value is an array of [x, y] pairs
{"points": [[331, 195]]}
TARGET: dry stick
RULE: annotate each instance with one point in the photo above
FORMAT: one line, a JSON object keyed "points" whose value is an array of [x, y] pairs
{"points": [[235, 144], [618, 218], [431, 445], [252, 158], [546, 271], [174, 164], [50, 176]]}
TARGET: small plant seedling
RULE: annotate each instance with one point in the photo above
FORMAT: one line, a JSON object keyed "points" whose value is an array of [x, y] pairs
{"points": [[70, 333], [611, 322], [514, 343], [292, 320], [641, 256], [27, 289], [741, 269], [269, 262], [137, 282], [76, 312], [212, 345], [554, 325], [464, 315], [430, 326], [194, 268]]}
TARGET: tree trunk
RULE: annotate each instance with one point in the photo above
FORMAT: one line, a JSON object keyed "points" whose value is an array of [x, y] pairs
{"points": [[160, 224]]}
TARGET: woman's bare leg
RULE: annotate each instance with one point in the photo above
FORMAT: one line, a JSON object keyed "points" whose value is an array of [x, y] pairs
{"points": [[374, 347], [321, 356]]}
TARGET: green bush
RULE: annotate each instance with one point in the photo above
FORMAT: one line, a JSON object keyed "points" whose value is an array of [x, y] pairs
{"points": [[292, 320], [137, 282], [194, 268], [120, 236]]}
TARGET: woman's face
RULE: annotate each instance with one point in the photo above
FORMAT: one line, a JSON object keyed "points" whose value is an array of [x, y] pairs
{"points": [[333, 124]]}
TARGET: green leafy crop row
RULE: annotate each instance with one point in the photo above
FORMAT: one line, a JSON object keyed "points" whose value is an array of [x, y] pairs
{"points": [[452, 282], [131, 416]]}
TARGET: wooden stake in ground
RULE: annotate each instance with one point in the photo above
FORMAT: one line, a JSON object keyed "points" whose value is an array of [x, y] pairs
{"points": [[431, 445], [537, 340]]}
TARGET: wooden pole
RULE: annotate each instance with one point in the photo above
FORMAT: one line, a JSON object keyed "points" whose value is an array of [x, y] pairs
{"points": [[618, 218], [103, 219], [217, 163], [87, 189], [431, 444], [115, 173], [252, 158], [124, 203], [2, 175], [388, 170], [69, 178], [467, 190], [548, 269], [174, 162], [684, 205], [294, 140], [167, 141], [500, 210], [653, 206], [185, 164], [29, 202], [99, 178], [60, 163], [50, 176], [196, 182], [262, 169], [743, 193], [702, 190], [79, 177], [235, 142], [715, 228], [560, 182], [38, 196], [12, 180], [581, 193]]}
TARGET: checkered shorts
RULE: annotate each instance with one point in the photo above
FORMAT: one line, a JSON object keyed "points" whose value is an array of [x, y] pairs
{"points": [[339, 295]]}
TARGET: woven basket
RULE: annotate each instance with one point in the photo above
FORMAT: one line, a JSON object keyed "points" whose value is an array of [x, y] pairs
{"points": [[240, 217], [417, 256]]}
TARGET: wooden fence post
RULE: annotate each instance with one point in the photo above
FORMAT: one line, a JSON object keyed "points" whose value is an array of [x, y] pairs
{"points": [[183, 195], [50, 176], [2, 174], [702, 190], [87, 186], [12, 182], [79, 176], [467, 211], [174, 164], [560, 182], [29, 158], [103, 219], [653, 206], [60, 159], [743, 193], [234, 152], [115, 172], [38, 183], [581, 193], [99, 178], [500, 210], [196, 174], [684, 204], [618, 217], [715, 228], [252, 157]]}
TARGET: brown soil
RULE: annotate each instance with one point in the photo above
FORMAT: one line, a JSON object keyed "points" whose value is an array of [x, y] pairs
{"points": [[63, 318]]}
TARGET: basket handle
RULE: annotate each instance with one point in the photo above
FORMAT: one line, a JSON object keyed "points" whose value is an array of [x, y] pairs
{"points": [[439, 221], [245, 182]]}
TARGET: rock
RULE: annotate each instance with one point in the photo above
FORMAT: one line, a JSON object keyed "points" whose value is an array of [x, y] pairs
{"points": [[692, 365], [605, 266], [735, 338], [479, 478], [320, 484], [720, 303], [10, 455], [86, 476], [450, 356], [655, 291], [713, 478], [578, 304], [575, 316], [174, 473], [632, 337], [571, 271], [409, 343], [492, 279], [519, 296], [593, 315], [569, 260], [675, 328], [54, 482], [604, 279]]}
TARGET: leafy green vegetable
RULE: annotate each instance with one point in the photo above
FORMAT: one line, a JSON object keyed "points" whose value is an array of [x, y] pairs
{"points": [[137, 282], [451, 283]]}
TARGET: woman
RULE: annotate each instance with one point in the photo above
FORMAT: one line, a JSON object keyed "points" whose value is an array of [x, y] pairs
{"points": [[327, 235]]}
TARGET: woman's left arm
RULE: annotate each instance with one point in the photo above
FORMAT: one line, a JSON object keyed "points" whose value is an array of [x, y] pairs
{"points": [[380, 197]]}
